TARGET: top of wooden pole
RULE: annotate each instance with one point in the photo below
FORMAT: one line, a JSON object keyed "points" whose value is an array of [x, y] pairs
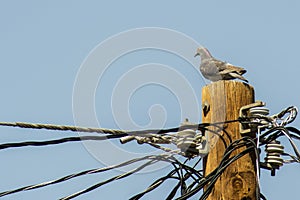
{"points": [[222, 101]]}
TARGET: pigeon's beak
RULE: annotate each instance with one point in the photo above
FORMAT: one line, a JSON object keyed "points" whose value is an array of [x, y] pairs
{"points": [[197, 54]]}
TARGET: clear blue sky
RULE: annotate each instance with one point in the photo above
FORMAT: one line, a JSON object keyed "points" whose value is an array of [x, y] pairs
{"points": [[44, 43]]}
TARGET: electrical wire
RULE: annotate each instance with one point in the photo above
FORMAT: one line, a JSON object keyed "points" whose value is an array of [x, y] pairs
{"points": [[178, 169], [61, 127], [83, 173], [277, 132], [114, 133], [58, 141], [153, 160], [199, 126], [189, 180], [156, 184], [121, 176], [189, 172], [225, 162]]}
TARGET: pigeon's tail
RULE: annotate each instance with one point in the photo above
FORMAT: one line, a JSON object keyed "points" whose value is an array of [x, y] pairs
{"points": [[241, 71], [238, 76], [237, 69]]}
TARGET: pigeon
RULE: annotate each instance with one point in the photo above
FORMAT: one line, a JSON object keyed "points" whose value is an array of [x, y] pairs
{"points": [[215, 70]]}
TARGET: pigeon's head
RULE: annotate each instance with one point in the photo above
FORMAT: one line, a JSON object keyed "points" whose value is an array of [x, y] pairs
{"points": [[203, 53]]}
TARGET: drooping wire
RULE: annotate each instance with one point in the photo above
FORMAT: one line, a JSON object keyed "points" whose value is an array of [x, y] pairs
{"points": [[227, 160], [58, 141], [121, 176], [181, 172], [211, 178], [156, 184], [116, 134], [83, 173], [113, 133], [178, 168]]}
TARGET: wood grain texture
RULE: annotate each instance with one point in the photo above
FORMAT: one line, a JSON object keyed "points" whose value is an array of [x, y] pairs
{"points": [[225, 98]]}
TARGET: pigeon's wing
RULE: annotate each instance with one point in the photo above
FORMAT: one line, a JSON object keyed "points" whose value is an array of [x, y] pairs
{"points": [[223, 67], [208, 68], [226, 68]]}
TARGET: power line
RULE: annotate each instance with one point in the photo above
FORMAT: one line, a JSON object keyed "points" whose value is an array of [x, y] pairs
{"points": [[58, 141], [200, 126], [189, 180], [61, 127]]}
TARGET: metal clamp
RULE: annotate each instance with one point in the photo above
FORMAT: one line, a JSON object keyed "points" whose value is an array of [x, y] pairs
{"points": [[250, 112], [148, 138], [190, 141]]}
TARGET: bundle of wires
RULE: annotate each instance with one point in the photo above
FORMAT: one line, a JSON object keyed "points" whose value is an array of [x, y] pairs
{"points": [[187, 176], [189, 180]]}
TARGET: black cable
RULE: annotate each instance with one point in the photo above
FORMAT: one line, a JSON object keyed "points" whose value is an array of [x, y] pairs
{"points": [[68, 177], [121, 176], [190, 171], [153, 160], [184, 172], [224, 130], [156, 184], [200, 127], [119, 135], [225, 162], [58, 141], [295, 131], [219, 135], [221, 170], [294, 158], [177, 186], [262, 197]]}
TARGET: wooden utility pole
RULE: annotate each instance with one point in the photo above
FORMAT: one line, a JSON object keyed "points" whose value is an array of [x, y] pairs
{"points": [[222, 101]]}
